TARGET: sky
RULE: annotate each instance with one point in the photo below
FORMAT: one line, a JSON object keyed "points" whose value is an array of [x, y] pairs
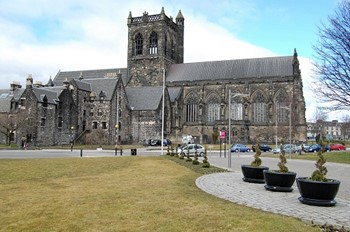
{"points": [[42, 37]]}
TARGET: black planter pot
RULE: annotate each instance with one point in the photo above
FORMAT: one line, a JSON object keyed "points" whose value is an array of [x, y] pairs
{"points": [[317, 192], [279, 181], [253, 174]]}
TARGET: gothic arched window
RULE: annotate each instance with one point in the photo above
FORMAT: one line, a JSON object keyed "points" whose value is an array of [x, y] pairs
{"points": [[153, 43], [213, 108], [172, 51], [138, 44], [259, 108], [166, 45], [237, 108], [281, 107], [191, 108]]}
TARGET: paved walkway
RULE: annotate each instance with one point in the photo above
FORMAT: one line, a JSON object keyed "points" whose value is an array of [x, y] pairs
{"points": [[230, 186]]}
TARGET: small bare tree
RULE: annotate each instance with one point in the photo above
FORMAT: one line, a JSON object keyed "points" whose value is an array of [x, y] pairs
{"points": [[333, 58]]}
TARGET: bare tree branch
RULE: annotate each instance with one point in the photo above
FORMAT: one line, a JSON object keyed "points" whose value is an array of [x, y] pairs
{"points": [[333, 58]]}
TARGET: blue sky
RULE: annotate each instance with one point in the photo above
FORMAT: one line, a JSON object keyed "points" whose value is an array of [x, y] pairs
{"points": [[41, 37]]}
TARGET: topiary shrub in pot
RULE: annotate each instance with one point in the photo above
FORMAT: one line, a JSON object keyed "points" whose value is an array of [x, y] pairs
{"points": [[280, 180], [206, 163], [253, 173], [318, 189], [195, 158]]}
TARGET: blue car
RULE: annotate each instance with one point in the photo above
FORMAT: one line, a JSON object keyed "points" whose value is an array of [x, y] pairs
{"points": [[317, 147], [239, 148]]}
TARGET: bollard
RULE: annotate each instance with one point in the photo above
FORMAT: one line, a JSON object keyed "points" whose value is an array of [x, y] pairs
{"points": [[116, 151], [121, 151], [81, 152]]}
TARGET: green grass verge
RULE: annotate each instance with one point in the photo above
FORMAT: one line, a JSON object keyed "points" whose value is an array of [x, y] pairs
{"points": [[120, 194]]}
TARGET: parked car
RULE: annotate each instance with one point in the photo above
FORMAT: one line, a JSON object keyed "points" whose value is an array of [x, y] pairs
{"points": [[305, 146], [276, 150], [263, 147], [191, 149], [147, 142], [314, 148], [338, 147], [290, 148], [239, 148], [156, 142], [166, 142], [317, 147]]}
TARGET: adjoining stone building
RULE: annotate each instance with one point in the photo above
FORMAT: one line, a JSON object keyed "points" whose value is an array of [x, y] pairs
{"points": [[126, 103]]}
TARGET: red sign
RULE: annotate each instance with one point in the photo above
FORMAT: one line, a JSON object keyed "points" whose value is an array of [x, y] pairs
{"points": [[222, 134]]}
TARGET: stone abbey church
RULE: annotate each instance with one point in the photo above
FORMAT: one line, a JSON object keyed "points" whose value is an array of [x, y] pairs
{"points": [[124, 105]]}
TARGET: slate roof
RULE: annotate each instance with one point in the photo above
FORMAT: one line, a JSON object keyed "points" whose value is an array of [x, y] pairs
{"points": [[61, 76], [232, 69], [83, 85], [174, 93], [106, 85], [52, 94], [6, 96], [144, 98]]}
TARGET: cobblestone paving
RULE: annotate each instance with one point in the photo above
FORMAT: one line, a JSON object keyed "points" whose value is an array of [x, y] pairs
{"points": [[230, 186]]}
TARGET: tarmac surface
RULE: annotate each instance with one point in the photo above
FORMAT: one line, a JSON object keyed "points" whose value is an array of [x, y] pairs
{"points": [[231, 187]]}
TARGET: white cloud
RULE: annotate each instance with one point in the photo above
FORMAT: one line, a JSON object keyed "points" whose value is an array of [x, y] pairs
{"points": [[93, 35]]}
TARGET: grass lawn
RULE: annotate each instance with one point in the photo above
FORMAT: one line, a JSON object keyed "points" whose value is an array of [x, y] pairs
{"points": [[120, 194]]}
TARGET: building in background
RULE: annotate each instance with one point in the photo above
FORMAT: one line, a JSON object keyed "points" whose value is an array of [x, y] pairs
{"points": [[125, 104]]}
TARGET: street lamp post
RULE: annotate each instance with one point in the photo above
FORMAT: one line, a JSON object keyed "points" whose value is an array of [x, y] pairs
{"points": [[116, 138], [229, 122], [72, 138], [290, 128], [163, 90]]}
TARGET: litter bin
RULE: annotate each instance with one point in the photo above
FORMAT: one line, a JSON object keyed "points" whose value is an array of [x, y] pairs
{"points": [[133, 151]]}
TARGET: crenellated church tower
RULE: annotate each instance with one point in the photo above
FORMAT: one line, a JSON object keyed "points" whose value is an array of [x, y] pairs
{"points": [[154, 43]]}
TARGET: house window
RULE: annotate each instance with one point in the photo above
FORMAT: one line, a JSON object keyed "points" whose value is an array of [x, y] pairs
{"points": [[91, 111], [138, 44], [104, 125], [94, 125], [99, 112], [153, 43], [43, 122], [60, 122]]}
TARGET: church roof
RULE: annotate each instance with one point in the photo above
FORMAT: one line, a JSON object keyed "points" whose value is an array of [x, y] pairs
{"points": [[102, 85], [90, 74], [144, 98], [232, 69]]}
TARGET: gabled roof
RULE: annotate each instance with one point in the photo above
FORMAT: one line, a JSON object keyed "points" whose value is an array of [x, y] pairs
{"points": [[6, 95], [83, 85], [51, 94], [90, 74], [232, 69], [144, 98], [105, 85], [174, 93]]}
